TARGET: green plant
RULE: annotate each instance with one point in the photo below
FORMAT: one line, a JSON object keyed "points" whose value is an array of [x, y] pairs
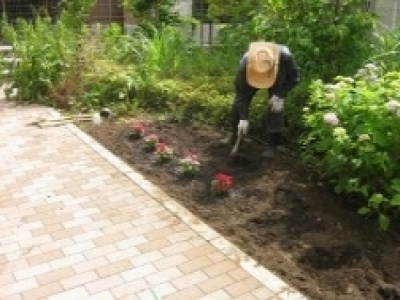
{"points": [[189, 165], [151, 141], [156, 12], [352, 136], [160, 53], [50, 53], [116, 45], [386, 47], [136, 130], [75, 13], [46, 51], [163, 152]]}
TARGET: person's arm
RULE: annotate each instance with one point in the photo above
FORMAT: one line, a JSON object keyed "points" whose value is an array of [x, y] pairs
{"points": [[244, 92], [290, 72]]}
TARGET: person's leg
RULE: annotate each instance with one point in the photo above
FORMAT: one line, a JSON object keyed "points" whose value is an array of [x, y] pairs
{"points": [[275, 127], [234, 120]]}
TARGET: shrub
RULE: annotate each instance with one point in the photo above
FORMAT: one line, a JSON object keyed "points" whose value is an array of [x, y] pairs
{"points": [[353, 137], [45, 50]]}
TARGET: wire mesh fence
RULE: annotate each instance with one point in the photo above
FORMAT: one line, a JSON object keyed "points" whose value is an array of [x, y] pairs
{"points": [[110, 11], [204, 31]]}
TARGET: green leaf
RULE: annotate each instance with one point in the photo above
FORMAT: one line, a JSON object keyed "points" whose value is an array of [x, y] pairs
{"points": [[395, 200], [364, 211], [384, 222], [375, 201]]}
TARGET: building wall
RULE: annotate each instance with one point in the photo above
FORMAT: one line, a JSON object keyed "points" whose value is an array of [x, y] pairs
{"points": [[388, 11]]}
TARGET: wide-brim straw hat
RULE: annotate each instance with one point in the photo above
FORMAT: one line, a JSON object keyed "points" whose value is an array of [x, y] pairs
{"points": [[262, 64]]}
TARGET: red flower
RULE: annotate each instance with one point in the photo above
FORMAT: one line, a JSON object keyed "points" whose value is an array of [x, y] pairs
{"points": [[222, 183], [161, 147]]}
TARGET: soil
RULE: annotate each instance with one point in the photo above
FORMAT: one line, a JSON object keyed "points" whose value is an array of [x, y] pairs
{"points": [[278, 211]]}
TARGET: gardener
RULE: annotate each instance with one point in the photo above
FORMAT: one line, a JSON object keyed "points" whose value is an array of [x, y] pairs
{"points": [[264, 66]]}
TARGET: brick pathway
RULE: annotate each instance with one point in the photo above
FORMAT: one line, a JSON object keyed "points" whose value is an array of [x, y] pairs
{"points": [[77, 223]]}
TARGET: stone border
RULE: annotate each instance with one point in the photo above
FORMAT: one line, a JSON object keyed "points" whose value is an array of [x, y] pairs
{"points": [[267, 278]]}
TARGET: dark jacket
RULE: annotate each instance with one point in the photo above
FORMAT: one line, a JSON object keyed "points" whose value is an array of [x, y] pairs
{"points": [[287, 78]]}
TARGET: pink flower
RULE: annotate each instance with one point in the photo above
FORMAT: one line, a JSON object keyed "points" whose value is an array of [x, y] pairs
{"points": [[164, 152], [331, 119], [136, 129], [151, 141], [189, 165]]}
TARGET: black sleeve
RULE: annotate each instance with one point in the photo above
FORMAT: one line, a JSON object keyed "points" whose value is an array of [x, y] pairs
{"points": [[289, 74], [244, 91]]}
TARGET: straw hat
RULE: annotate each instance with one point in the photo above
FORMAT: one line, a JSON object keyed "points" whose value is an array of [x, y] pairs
{"points": [[262, 64]]}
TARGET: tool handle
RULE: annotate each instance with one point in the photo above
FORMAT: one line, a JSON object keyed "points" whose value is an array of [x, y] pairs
{"points": [[237, 143]]}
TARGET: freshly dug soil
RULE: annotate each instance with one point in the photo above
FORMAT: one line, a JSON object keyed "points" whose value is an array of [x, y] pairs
{"points": [[278, 211]]}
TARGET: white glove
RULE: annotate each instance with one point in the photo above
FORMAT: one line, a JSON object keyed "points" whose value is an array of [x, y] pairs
{"points": [[276, 103], [243, 126]]}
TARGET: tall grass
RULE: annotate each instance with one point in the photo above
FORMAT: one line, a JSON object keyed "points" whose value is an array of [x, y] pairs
{"points": [[45, 50], [386, 47]]}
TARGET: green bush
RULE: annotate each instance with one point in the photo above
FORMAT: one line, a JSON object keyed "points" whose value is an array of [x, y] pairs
{"points": [[127, 91], [49, 50], [353, 137], [45, 50]]}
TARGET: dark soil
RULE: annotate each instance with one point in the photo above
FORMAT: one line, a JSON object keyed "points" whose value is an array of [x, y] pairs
{"points": [[278, 212]]}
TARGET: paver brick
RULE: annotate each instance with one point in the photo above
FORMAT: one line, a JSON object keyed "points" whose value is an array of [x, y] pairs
{"points": [[128, 290], [170, 261], [216, 283], [79, 279], [219, 268], [195, 264], [192, 292], [189, 280], [154, 245], [86, 265], [43, 291], [55, 275], [163, 276], [104, 284], [114, 268], [76, 293], [242, 287]]}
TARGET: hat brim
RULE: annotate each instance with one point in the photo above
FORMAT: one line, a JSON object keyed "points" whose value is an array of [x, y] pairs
{"points": [[255, 78]]}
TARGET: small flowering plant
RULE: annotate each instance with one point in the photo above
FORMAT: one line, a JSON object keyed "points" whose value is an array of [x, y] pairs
{"points": [[221, 184], [151, 141], [136, 130], [189, 165], [163, 152]]}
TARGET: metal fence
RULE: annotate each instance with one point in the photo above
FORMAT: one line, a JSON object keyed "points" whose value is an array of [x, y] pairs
{"points": [[104, 11], [27, 9], [205, 31]]}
